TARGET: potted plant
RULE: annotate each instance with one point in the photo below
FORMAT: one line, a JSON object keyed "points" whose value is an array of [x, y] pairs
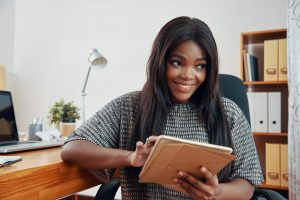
{"points": [[63, 116]]}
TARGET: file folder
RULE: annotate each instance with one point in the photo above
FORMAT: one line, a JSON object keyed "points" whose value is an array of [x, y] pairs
{"points": [[251, 109], [282, 59], [273, 164], [274, 112], [261, 112], [284, 175], [270, 60]]}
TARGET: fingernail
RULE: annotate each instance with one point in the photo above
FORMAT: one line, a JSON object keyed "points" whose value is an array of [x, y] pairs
{"points": [[175, 180], [180, 173]]}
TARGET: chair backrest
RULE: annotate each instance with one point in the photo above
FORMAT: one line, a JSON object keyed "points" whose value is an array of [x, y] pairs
{"points": [[233, 88]]}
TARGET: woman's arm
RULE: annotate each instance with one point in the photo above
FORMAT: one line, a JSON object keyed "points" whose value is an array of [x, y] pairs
{"points": [[88, 155], [238, 189]]}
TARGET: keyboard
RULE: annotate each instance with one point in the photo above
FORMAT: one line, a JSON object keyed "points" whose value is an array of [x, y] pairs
{"points": [[16, 143]]}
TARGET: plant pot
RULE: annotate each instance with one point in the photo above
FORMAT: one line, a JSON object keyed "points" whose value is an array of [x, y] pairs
{"points": [[66, 128]]}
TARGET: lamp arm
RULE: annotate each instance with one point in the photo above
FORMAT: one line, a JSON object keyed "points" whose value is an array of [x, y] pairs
{"points": [[83, 94], [85, 82]]}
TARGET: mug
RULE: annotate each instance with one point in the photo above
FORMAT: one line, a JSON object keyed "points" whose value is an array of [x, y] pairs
{"points": [[66, 128], [32, 129]]}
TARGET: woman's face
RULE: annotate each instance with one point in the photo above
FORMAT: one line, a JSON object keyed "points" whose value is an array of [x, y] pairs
{"points": [[186, 70]]}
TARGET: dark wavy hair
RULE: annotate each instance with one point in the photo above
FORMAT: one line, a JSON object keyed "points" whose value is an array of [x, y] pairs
{"points": [[155, 98]]}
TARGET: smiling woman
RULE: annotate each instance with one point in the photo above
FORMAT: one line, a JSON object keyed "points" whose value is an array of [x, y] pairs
{"points": [[180, 98]]}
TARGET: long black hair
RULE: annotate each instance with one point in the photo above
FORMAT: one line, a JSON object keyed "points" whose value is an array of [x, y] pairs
{"points": [[155, 99]]}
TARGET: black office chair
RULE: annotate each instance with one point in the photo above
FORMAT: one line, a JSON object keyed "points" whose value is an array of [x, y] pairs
{"points": [[108, 190], [232, 88]]}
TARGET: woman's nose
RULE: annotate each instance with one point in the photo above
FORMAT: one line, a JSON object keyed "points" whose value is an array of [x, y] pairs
{"points": [[188, 73]]}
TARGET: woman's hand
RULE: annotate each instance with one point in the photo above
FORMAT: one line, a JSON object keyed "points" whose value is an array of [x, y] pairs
{"points": [[198, 189], [142, 151]]}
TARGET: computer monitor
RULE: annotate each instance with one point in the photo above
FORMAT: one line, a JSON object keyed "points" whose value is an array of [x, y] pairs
{"points": [[8, 124]]}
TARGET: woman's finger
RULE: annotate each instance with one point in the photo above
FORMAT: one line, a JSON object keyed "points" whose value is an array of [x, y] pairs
{"points": [[189, 188], [206, 174], [151, 141], [211, 180], [190, 179], [204, 188]]}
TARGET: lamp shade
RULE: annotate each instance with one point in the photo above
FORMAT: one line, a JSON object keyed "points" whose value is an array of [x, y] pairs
{"points": [[96, 59]]}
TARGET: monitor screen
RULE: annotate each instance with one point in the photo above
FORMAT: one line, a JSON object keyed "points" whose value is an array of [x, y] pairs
{"points": [[8, 126]]}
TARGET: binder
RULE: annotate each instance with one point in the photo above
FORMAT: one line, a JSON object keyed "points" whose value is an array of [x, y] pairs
{"points": [[284, 175], [246, 69], [249, 66], [282, 60], [270, 60], [274, 112], [253, 67], [2, 78], [272, 164], [261, 112], [251, 109]]}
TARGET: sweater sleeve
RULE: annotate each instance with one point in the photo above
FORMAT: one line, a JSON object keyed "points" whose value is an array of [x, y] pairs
{"points": [[246, 165], [102, 129]]}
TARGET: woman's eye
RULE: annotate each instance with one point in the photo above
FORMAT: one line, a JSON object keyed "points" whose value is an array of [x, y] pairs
{"points": [[201, 67], [176, 63]]}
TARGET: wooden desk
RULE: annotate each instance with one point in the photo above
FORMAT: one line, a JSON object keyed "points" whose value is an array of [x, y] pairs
{"points": [[42, 175]]}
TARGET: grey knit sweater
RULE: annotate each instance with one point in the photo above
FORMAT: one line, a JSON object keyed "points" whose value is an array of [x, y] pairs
{"points": [[111, 126]]}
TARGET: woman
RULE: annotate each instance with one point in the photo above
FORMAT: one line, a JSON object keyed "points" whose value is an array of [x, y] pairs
{"points": [[180, 98]]}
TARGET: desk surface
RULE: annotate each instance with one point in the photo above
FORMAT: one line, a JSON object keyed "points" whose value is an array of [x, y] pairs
{"points": [[42, 175]]}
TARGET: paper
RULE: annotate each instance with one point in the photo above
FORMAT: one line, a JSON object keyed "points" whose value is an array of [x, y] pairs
{"points": [[6, 160], [50, 135]]}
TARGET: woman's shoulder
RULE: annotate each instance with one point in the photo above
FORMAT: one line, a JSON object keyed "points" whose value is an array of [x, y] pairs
{"points": [[230, 107], [129, 97], [234, 113], [125, 103], [126, 100]]}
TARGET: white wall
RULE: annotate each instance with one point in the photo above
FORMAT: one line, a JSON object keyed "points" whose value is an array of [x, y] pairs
{"points": [[7, 18], [53, 38]]}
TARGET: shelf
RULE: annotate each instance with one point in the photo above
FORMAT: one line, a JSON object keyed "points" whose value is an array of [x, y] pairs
{"points": [[257, 83], [270, 134], [276, 187], [260, 36], [254, 43]]}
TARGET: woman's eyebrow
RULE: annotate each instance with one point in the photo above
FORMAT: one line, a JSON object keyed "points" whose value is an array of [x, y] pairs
{"points": [[202, 58], [177, 56]]}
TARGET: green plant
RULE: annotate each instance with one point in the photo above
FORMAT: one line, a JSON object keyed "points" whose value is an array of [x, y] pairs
{"points": [[63, 112]]}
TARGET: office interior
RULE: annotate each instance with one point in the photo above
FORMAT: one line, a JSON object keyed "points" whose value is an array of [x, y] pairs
{"points": [[45, 45]]}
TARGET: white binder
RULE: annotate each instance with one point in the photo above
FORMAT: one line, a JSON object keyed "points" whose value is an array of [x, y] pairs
{"points": [[251, 109], [261, 112], [274, 112]]}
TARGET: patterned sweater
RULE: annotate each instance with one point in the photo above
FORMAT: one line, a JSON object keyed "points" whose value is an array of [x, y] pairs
{"points": [[111, 127]]}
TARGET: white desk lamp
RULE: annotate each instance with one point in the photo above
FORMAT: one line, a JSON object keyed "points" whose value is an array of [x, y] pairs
{"points": [[96, 60]]}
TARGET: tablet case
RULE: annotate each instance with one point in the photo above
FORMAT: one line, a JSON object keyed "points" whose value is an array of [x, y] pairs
{"points": [[170, 155]]}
